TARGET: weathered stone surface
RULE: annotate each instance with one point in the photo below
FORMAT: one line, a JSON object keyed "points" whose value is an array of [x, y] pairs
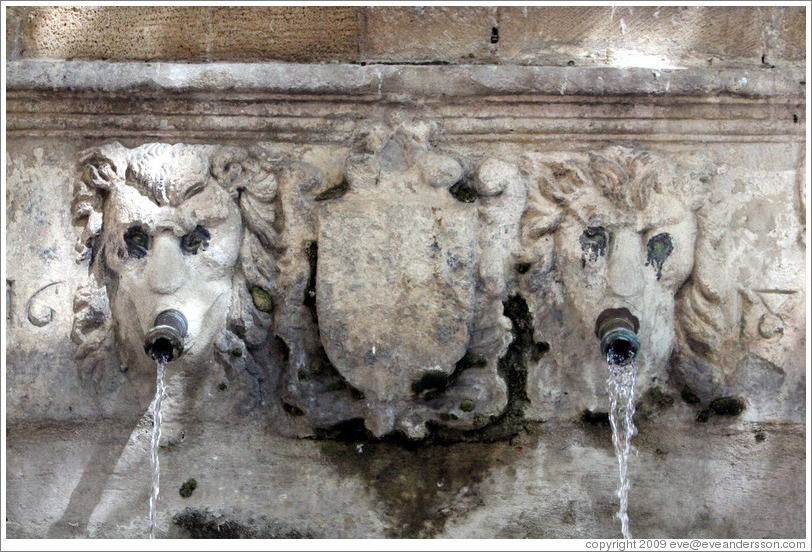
{"points": [[398, 294], [428, 34], [395, 305], [13, 33], [188, 33], [590, 229], [404, 83], [714, 480], [648, 36], [706, 467], [784, 29], [41, 275], [667, 36], [740, 320]]}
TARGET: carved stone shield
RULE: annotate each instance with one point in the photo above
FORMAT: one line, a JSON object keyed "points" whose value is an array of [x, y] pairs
{"points": [[395, 288]]}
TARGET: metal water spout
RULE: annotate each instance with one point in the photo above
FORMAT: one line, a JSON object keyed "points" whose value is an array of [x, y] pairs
{"points": [[164, 341], [617, 330]]}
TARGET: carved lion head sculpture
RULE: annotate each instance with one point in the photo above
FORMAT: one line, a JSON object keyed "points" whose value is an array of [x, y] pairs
{"points": [[185, 227], [613, 229]]}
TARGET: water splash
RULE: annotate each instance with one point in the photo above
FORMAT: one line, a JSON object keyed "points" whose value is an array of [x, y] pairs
{"points": [[620, 385], [160, 388]]}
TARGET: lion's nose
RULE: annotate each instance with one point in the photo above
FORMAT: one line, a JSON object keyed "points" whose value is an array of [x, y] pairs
{"points": [[166, 270], [624, 273]]}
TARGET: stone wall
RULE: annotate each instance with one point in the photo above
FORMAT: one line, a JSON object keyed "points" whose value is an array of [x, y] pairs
{"points": [[584, 36], [480, 184]]}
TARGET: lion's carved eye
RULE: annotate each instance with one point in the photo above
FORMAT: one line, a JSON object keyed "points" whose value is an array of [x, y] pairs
{"points": [[593, 244], [195, 240], [137, 240], [658, 249]]}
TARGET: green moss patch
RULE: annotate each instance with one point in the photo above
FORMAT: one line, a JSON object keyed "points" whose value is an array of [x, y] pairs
{"points": [[188, 487], [727, 406], [262, 299]]}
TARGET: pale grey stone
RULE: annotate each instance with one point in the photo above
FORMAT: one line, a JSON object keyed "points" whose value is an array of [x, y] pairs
{"points": [[397, 273], [603, 211], [400, 80], [288, 439]]}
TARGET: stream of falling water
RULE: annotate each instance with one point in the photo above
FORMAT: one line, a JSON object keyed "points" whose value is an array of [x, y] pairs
{"points": [[620, 385], [160, 387]]}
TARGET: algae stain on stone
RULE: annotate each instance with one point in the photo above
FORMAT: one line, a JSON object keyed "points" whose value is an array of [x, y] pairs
{"points": [[464, 192], [431, 384], [593, 244], [420, 486], [208, 524], [188, 487], [262, 299], [727, 406], [657, 251]]}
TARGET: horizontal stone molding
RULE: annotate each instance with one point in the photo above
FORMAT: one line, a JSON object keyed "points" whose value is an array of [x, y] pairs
{"points": [[310, 103], [402, 81]]}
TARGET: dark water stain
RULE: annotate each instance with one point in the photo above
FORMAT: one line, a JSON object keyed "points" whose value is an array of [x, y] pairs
{"points": [[513, 368], [420, 485], [309, 299], [206, 524], [689, 396], [657, 251]]}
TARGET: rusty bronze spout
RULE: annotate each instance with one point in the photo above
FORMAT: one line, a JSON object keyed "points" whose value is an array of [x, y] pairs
{"points": [[617, 330], [164, 341]]}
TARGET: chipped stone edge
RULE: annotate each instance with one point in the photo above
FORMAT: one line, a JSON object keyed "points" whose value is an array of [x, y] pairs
{"points": [[401, 81]]}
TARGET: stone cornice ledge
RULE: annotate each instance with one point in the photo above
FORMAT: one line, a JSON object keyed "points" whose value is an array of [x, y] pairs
{"points": [[400, 81]]}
